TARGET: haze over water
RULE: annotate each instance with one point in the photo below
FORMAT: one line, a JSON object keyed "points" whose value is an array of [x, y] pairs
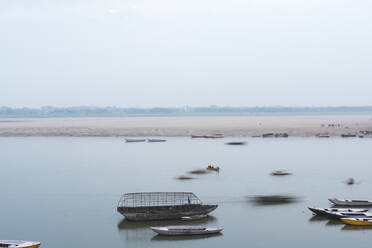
{"points": [[63, 191]]}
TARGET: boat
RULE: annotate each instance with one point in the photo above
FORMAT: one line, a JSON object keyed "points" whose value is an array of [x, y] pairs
{"points": [[156, 140], [213, 168], [235, 143], [219, 136], [342, 202], [358, 221], [350, 181], [199, 172], [281, 135], [161, 206], [324, 211], [280, 173], [135, 140], [267, 135], [348, 135], [339, 215], [195, 217], [184, 178], [273, 198], [185, 230], [19, 244], [323, 136], [197, 136]]}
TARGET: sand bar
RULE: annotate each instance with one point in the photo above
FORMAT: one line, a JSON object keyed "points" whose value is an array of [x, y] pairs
{"points": [[333, 125]]}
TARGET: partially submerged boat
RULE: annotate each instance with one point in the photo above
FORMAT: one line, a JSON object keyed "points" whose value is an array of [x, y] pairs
{"points": [[19, 244], [325, 211], [135, 140], [161, 206], [358, 221], [185, 230], [343, 202]]}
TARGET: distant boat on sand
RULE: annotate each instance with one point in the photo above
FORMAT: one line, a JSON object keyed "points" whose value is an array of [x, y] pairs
{"points": [[135, 140]]}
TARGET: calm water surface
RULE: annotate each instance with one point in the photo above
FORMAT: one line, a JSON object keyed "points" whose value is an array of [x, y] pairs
{"points": [[63, 191]]}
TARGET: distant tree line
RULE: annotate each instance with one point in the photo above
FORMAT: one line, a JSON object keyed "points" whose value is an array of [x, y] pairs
{"points": [[86, 111]]}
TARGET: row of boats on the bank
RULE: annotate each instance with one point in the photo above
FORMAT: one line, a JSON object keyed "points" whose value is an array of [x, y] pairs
{"points": [[351, 215]]}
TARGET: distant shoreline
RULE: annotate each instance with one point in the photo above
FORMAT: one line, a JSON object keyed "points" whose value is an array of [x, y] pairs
{"points": [[294, 125]]}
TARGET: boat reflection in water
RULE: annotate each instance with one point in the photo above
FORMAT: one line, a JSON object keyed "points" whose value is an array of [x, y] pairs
{"points": [[140, 230], [178, 238], [356, 228]]}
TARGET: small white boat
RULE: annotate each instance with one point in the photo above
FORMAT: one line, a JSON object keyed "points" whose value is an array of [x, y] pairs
{"points": [[135, 140], [19, 244], [343, 202], [185, 230], [325, 211]]}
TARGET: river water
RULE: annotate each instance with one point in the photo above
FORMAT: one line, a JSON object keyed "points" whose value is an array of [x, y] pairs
{"points": [[63, 191]]}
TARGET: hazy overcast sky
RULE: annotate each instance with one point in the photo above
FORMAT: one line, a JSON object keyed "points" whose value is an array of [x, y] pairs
{"points": [[148, 53]]}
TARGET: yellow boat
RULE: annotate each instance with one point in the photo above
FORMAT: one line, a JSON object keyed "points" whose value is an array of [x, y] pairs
{"points": [[358, 221], [19, 244]]}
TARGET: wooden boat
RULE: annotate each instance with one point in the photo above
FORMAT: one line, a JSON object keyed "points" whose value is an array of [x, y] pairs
{"points": [[195, 217], [212, 168], [135, 140], [348, 135], [358, 221], [213, 136], [156, 140], [324, 211], [236, 143], [197, 136], [280, 173], [146, 206], [198, 172], [184, 178], [267, 135], [273, 198], [342, 202], [19, 244], [185, 230]]}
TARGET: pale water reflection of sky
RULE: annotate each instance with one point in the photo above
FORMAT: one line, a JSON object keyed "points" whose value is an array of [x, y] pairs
{"points": [[185, 52]]}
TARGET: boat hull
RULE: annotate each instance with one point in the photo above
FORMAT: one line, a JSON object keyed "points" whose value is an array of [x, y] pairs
{"points": [[165, 231], [339, 202], [351, 221], [165, 212]]}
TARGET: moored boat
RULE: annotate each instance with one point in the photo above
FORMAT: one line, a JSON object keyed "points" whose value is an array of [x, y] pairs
{"points": [[324, 211], [339, 215], [358, 221], [348, 135], [161, 206], [135, 140], [156, 140], [185, 230], [19, 244], [343, 202]]}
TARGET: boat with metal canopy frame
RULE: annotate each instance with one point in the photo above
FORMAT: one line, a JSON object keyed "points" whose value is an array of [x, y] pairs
{"points": [[161, 205]]}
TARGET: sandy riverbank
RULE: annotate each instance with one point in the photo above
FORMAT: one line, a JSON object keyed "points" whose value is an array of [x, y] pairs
{"points": [[184, 126]]}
